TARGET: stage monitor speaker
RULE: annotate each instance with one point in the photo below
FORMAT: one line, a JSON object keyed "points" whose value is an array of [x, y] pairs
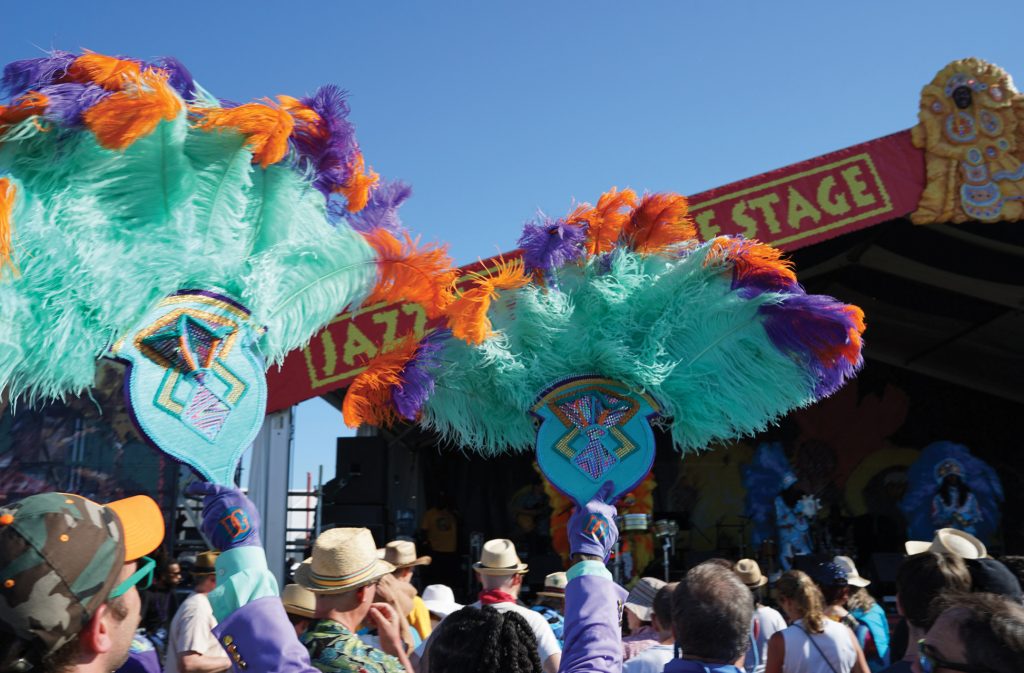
{"points": [[361, 472], [374, 517]]}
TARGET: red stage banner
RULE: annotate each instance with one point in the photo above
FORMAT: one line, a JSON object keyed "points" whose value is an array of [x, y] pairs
{"points": [[791, 208]]}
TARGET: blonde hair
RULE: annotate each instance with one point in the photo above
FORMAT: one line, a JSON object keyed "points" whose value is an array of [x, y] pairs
{"points": [[860, 600], [799, 588]]}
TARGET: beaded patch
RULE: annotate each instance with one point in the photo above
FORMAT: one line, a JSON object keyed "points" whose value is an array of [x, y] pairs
{"points": [[196, 385]]}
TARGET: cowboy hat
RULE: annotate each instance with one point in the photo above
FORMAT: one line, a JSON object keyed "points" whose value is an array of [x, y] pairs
{"points": [[750, 573], [949, 541], [641, 597], [402, 554], [205, 563], [343, 559], [554, 585], [499, 557], [298, 601]]}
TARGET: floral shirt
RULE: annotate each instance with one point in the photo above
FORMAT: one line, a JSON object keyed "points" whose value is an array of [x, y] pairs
{"points": [[335, 649]]}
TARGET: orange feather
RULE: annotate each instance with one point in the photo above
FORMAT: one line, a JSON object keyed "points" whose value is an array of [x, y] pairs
{"points": [[467, 316], [358, 184], [31, 104], [750, 258], [125, 116], [368, 399], [605, 221], [407, 272], [266, 127], [305, 117], [659, 222], [107, 71], [7, 194]]}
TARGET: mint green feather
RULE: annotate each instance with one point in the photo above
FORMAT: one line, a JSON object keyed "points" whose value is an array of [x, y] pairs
{"points": [[672, 328]]}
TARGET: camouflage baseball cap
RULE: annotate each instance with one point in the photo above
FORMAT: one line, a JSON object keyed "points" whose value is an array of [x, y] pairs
{"points": [[60, 557]]}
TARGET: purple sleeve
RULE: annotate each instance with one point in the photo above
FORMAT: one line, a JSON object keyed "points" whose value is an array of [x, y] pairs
{"points": [[593, 635], [258, 637]]}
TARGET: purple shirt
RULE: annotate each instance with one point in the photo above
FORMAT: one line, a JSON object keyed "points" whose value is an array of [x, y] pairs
{"points": [[593, 612]]}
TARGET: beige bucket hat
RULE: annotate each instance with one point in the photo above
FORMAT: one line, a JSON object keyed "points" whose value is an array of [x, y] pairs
{"points": [[554, 585], [402, 554], [343, 559], [950, 541], [298, 601], [499, 557], [750, 573], [641, 597]]}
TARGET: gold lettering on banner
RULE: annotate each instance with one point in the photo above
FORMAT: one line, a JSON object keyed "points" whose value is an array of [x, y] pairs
{"points": [[420, 324], [390, 321], [330, 352], [356, 344], [797, 206]]}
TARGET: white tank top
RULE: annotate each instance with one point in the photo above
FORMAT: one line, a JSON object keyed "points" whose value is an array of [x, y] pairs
{"points": [[803, 657]]}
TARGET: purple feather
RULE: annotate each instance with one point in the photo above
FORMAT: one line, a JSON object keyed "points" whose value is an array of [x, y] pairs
{"points": [[330, 151], [550, 244], [178, 76], [815, 328], [67, 102], [32, 73], [381, 210], [418, 376]]}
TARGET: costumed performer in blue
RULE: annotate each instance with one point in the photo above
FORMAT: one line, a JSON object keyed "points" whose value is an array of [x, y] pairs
{"points": [[947, 487], [778, 509]]}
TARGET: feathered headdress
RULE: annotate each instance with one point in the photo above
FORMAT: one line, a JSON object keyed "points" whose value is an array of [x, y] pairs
{"points": [[924, 479], [764, 477], [142, 215], [640, 319]]}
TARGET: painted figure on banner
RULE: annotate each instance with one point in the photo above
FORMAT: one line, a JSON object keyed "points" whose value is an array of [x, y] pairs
{"points": [[969, 129]]}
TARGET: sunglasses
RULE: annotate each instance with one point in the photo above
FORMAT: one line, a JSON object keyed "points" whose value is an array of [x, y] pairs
{"points": [[930, 661], [143, 577]]}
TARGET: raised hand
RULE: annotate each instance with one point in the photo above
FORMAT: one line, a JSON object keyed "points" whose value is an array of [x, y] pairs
{"points": [[592, 530], [230, 519]]}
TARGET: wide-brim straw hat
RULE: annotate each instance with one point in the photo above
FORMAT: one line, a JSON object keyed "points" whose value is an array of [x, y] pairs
{"points": [[499, 557], [750, 573], [402, 554], [343, 559], [950, 541], [298, 601], [554, 585], [206, 563], [853, 577]]}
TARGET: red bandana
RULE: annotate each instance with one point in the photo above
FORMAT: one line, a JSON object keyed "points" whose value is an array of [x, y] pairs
{"points": [[496, 596]]}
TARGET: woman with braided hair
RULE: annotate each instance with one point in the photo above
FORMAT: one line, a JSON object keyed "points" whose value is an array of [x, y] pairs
{"points": [[485, 640]]}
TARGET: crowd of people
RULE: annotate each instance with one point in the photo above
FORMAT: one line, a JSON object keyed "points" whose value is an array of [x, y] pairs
{"points": [[77, 593]]}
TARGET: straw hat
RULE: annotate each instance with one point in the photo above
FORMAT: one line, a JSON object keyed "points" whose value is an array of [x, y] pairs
{"points": [[298, 601], [750, 573], [853, 577], [499, 557], [641, 597], [402, 554], [440, 600], [554, 585], [949, 541], [343, 559], [205, 563]]}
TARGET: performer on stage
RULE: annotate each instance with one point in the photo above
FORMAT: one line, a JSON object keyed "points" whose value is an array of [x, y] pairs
{"points": [[792, 522], [947, 487]]}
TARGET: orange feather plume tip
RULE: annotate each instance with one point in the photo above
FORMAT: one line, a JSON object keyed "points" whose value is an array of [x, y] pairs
{"points": [[30, 105], [125, 116], [266, 128], [407, 272], [107, 71], [467, 316], [358, 184], [7, 194], [368, 398], [606, 220], [658, 222], [752, 262]]}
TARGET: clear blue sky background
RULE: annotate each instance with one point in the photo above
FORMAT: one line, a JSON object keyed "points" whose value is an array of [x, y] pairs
{"points": [[492, 110]]}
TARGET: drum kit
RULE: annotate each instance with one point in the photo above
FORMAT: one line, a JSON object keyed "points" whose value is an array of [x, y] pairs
{"points": [[664, 530]]}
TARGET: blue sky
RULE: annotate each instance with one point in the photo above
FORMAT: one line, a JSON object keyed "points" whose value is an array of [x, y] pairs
{"points": [[493, 110]]}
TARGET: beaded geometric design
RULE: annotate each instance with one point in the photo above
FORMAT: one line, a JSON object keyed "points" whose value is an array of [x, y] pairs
{"points": [[206, 413], [594, 413]]}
